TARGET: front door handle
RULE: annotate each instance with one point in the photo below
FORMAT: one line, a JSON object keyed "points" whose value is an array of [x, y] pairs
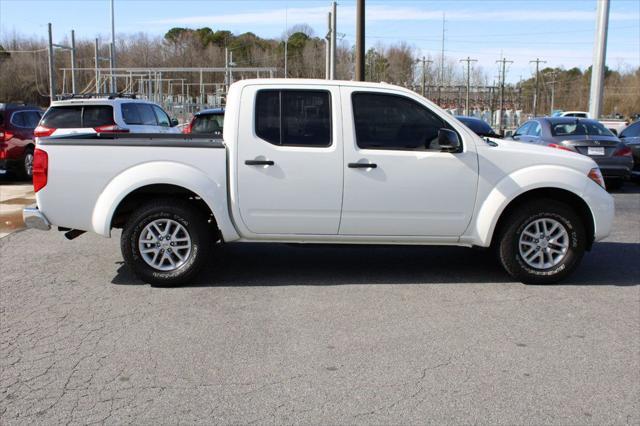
{"points": [[362, 165], [259, 163]]}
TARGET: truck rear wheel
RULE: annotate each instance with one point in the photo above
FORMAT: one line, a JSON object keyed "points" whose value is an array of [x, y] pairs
{"points": [[542, 242], [166, 243]]}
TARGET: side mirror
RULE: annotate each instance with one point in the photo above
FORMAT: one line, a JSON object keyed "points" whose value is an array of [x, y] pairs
{"points": [[508, 134], [448, 140], [174, 122]]}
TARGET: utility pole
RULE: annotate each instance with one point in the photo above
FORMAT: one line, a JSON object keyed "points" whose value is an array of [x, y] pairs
{"points": [[504, 63], [97, 64], [468, 61], [441, 62], [332, 74], [553, 91], [286, 41], [424, 73], [114, 87], [327, 45], [535, 95], [52, 77], [599, 58], [360, 41], [73, 61]]}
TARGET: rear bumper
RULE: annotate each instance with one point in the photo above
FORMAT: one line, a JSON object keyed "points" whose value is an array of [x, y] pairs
{"points": [[35, 219], [615, 167]]}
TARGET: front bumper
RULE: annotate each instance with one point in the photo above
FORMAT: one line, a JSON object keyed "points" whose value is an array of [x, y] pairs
{"points": [[35, 219]]}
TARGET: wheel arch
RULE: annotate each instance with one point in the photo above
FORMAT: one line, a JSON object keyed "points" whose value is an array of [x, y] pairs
{"points": [[577, 203], [161, 180]]}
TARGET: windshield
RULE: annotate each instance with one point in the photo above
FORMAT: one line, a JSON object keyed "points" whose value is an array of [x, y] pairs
{"points": [[580, 128], [211, 124]]}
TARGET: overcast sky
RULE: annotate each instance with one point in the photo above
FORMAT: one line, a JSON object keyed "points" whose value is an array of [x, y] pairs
{"points": [[558, 31]]}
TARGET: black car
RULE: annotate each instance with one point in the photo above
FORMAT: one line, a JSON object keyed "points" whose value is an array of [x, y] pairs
{"points": [[584, 136], [477, 126], [631, 138]]}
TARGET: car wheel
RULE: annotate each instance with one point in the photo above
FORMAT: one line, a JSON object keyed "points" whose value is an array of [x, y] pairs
{"points": [[541, 242], [166, 243], [27, 164]]}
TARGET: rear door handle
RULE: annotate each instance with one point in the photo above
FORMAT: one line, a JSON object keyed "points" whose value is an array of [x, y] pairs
{"points": [[362, 165], [259, 163]]}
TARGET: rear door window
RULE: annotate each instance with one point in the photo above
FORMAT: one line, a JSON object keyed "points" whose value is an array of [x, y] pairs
{"points": [[294, 117], [76, 116]]}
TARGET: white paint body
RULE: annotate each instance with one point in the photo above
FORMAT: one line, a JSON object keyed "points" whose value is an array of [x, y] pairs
{"points": [[309, 195]]}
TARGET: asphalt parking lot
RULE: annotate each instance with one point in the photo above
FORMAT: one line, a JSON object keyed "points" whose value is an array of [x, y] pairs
{"points": [[331, 335]]}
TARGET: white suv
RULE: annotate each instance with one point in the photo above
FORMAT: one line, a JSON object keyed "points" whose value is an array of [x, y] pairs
{"points": [[104, 115]]}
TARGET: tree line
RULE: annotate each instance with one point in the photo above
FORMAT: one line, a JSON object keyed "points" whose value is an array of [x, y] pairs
{"points": [[25, 75]]}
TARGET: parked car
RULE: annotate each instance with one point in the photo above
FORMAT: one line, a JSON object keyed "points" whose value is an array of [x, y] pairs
{"points": [[615, 125], [104, 114], [631, 138], [321, 161], [17, 122], [584, 136], [206, 122], [478, 126]]}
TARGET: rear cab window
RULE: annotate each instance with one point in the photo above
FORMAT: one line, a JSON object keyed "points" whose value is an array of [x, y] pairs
{"points": [[78, 116]]}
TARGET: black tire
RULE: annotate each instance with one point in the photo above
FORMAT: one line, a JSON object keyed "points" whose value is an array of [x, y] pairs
{"points": [[26, 169], [508, 243], [193, 221]]}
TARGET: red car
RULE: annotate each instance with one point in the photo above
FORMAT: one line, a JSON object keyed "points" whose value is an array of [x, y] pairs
{"points": [[17, 142]]}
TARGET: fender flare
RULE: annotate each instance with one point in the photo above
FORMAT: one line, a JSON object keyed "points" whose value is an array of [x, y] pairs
{"points": [[518, 183], [213, 193]]}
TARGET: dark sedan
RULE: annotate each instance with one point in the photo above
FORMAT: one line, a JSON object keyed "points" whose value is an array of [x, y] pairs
{"points": [[631, 138], [477, 126], [584, 136]]}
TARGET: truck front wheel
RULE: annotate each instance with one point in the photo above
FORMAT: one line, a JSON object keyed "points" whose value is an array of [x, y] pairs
{"points": [[541, 242], [165, 242]]}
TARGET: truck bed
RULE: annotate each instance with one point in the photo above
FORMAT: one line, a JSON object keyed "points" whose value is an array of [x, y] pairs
{"points": [[85, 170]]}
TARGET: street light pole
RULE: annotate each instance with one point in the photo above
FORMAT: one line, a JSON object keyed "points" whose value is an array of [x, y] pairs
{"points": [[114, 87], [52, 77], [599, 56]]}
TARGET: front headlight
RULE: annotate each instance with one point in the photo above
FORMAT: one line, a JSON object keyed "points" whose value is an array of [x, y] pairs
{"points": [[596, 176]]}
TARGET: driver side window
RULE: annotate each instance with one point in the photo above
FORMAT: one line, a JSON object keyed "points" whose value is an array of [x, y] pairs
{"points": [[394, 122]]}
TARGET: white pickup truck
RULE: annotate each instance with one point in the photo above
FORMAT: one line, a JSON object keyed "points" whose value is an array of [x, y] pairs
{"points": [[315, 161]]}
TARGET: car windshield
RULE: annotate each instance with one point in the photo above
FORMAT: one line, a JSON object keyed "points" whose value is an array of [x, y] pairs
{"points": [[579, 128], [211, 124], [479, 127]]}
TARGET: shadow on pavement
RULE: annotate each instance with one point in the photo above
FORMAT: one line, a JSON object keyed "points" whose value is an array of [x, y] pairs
{"points": [[608, 263]]}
